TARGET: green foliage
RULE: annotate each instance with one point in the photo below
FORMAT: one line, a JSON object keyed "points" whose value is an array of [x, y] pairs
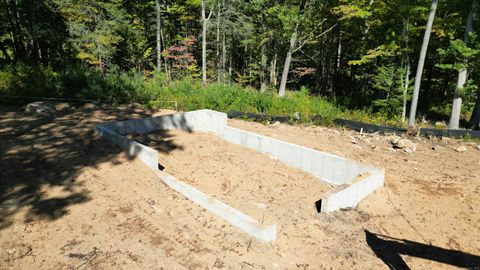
{"points": [[369, 116], [77, 81], [460, 54], [83, 82], [341, 42], [94, 28], [380, 51], [287, 15], [348, 10], [191, 96], [389, 85]]}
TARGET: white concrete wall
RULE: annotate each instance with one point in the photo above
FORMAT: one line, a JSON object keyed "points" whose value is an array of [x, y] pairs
{"points": [[134, 149], [230, 214], [201, 120], [330, 168], [352, 194]]}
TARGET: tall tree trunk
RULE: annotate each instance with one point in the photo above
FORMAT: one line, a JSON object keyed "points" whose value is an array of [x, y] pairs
{"points": [[474, 122], [273, 68], [217, 56], [250, 71], [204, 43], [19, 51], [246, 63], [263, 80], [34, 49], [462, 75], [407, 70], [159, 42], [367, 28], [454, 121], [224, 55], [421, 62], [339, 49], [220, 46], [230, 70], [288, 60], [405, 90], [165, 63]]}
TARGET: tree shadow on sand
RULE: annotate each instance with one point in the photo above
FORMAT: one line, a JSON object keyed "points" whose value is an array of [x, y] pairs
{"points": [[41, 153], [390, 249]]}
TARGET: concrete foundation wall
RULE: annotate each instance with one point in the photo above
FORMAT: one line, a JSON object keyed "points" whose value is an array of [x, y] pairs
{"points": [[351, 195], [330, 168], [202, 120], [232, 215], [134, 149]]}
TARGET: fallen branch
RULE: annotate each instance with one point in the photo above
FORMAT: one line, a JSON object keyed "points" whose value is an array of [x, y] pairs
{"points": [[21, 256]]}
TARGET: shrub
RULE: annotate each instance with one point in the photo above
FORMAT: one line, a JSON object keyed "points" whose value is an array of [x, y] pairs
{"points": [[82, 82]]}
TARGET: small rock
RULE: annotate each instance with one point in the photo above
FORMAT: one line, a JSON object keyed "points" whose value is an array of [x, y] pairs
{"points": [[406, 145], [461, 148], [409, 150], [39, 107], [276, 123], [478, 147], [62, 106], [296, 115], [446, 139], [89, 106], [352, 140]]}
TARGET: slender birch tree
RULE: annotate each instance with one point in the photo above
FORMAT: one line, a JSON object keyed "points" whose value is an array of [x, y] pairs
{"points": [[462, 74], [158, 39], [288, 57], [205, 20], [421, 62]]}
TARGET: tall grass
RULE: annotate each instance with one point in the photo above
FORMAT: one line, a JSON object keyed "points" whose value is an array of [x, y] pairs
{"points": [[190, 95], [75, 81], [83, 82]]}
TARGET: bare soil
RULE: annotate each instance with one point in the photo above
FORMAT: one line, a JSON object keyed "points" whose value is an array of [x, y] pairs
{"points": [[254, 183], [72, 200]]}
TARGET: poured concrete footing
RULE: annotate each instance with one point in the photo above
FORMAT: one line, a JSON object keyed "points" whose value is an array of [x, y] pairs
{"points": [[329, 168]]}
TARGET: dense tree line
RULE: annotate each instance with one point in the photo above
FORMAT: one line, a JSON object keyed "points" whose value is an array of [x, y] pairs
{"points": [[360, 53]]}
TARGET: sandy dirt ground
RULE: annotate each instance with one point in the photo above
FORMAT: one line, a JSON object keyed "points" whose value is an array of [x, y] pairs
{"points": [[72, 200], [254, 183]]}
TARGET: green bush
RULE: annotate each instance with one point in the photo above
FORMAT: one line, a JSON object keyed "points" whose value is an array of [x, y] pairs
{"points": [[190, 95], [80, 82], [83, 82]]}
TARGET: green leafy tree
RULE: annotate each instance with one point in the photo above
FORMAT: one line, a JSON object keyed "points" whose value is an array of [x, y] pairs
{"points": [[95, 29], [389, 85]]}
